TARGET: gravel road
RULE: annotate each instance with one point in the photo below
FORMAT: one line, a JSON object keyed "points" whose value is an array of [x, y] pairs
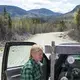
{"points": [[47, 38]]}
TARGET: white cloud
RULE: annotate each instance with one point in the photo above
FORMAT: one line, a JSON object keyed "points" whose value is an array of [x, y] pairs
{"points": [[54, 5], [63, 6]]}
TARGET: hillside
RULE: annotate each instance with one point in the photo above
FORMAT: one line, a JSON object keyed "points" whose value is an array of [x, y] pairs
{"points": [[75, 9], [13, 10], [72, 12], [16, 11], [67, 16], [44, 12]]}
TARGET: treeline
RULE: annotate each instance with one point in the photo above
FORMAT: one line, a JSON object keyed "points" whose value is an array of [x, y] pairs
{"points": [[5, 26], [37, 25]]}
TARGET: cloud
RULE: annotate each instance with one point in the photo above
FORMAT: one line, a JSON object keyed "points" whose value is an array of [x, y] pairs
{"points": [[61, 5], [38, 3]]}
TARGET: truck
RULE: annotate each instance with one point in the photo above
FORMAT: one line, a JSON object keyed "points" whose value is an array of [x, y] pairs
{"points": [[60, 62]]}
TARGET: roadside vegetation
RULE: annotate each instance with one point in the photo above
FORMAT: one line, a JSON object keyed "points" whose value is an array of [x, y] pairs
{"points": [[75, 33]]}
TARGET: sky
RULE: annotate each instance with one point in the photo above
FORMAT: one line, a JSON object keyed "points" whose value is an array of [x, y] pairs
{"points": [[61, 6]]}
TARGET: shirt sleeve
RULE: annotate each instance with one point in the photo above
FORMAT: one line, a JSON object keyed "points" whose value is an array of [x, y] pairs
{"points": [[28, 74]]}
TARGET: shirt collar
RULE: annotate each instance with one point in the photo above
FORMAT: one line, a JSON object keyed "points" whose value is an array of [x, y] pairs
{"points": [[34, 62]]}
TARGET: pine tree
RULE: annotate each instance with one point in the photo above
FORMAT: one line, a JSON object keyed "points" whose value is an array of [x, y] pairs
{"points": [[9, 21], [78, 20]]}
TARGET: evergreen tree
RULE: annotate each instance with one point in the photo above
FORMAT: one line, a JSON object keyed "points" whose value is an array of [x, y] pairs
{"points": [[78, 20], [62, 26], [9, 22]]}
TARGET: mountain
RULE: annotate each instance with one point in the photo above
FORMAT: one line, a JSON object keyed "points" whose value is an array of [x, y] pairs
{"points": [[67, 16], [44, 12], [16, 11], [75, 9], [72, 12], [13, 10]]}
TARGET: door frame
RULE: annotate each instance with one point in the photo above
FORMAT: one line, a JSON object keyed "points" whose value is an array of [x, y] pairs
{"points": [[6, 53]]}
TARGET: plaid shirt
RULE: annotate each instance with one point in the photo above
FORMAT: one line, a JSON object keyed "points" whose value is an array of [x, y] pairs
{"points": [[31, 71]]}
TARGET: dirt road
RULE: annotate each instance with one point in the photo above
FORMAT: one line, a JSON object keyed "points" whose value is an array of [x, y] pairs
{"points": [[47, 38]]}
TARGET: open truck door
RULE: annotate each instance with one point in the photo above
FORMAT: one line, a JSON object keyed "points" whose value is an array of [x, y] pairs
{"points": [[14, 57]]}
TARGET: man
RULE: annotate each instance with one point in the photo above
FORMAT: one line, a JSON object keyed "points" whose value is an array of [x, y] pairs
{"points": [[32, 70]]}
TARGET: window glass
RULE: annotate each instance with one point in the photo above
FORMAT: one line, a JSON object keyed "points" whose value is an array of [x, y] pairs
{"points": [[18, 55]]}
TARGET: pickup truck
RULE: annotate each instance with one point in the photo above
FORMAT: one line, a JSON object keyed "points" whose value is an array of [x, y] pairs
{"points": [[62, 64]]}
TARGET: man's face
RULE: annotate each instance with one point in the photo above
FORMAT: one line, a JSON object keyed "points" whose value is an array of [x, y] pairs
{"points": [[38, 55]]}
